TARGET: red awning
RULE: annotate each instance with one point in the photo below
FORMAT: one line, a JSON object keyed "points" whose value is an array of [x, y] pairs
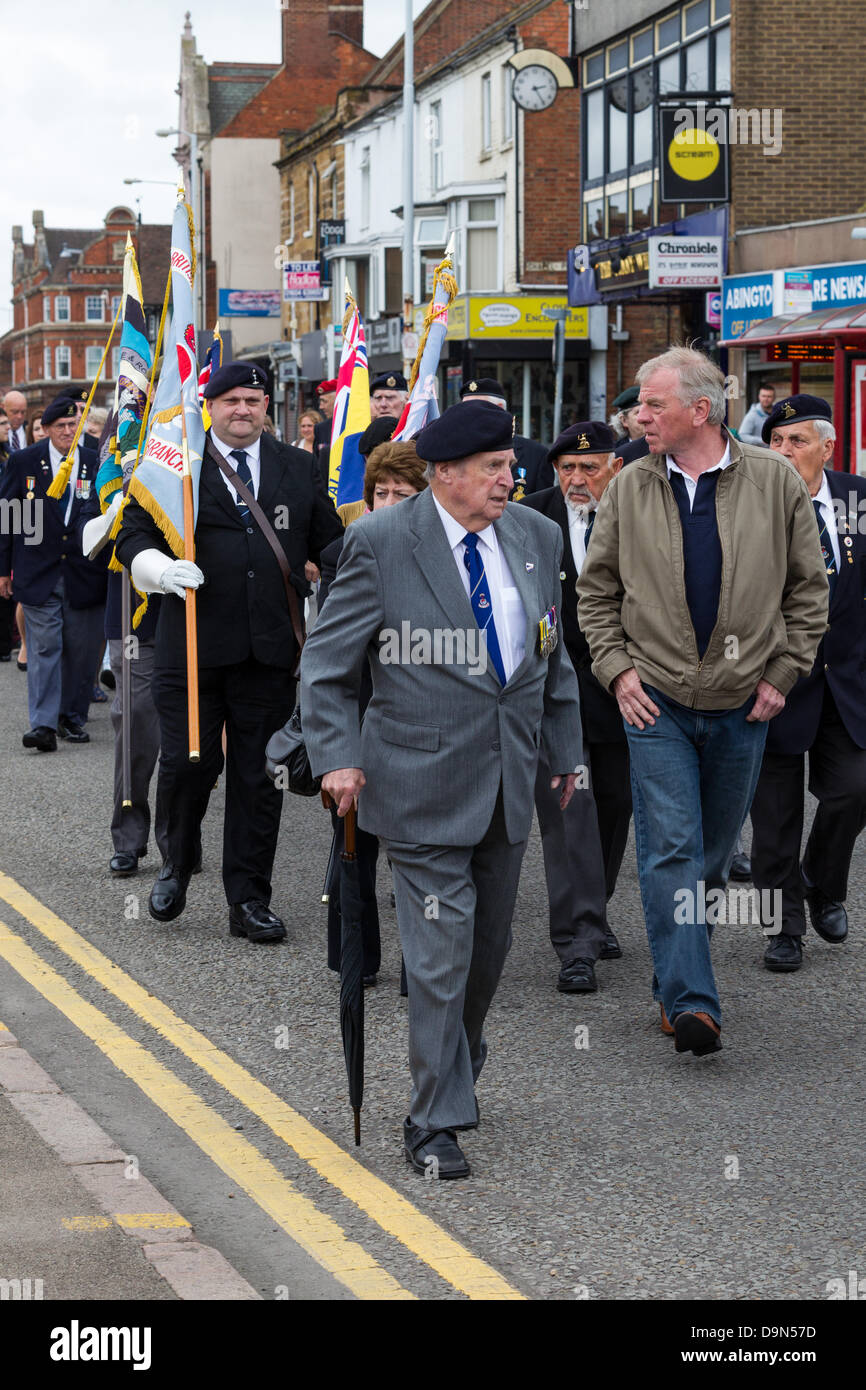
{"points": [[847, 323]]}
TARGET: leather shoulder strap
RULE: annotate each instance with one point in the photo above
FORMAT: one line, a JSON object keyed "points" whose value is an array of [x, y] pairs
{"points": [[269, 534]]}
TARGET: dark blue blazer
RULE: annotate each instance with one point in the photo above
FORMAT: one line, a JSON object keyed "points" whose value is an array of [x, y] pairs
{"points": [[114, 604], [599, 711], [841, 660], [50, 548]]}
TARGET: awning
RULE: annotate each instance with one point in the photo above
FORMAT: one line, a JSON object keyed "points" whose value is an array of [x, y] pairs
{"points": [[848, 324]]}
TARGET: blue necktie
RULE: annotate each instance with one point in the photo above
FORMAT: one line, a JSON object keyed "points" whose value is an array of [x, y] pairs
{"points": [[479, 597], [826, 548], [246, 477], [588, 532]]}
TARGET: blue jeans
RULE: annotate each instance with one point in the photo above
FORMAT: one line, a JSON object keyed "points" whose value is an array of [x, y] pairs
{"points": [[693, 776]]}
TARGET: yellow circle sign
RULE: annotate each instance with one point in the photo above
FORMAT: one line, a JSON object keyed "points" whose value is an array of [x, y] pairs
{"points": [[694, 155]]}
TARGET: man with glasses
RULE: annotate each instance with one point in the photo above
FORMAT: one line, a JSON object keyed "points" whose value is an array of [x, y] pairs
{"points": [[62, 593]]}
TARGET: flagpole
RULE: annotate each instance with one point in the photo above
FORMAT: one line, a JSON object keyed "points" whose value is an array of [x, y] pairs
{"points": [[126, 690], [191, 629]]}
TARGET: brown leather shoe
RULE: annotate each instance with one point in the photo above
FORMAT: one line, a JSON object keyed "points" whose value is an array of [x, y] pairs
{"points": [[697, 1033], [666, 1025]]}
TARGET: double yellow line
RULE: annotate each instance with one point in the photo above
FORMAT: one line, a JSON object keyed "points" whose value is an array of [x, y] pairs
{"points": [[318, 1234]]}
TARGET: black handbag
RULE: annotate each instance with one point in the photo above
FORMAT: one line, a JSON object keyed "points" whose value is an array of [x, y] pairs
{"points": [[286, 760]]}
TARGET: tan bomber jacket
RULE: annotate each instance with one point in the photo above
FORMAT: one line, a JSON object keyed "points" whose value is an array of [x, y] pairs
{"points": [[774, 594]]}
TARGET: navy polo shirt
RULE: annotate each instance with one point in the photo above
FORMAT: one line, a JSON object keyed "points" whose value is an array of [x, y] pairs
{"points": [[702, 549]]}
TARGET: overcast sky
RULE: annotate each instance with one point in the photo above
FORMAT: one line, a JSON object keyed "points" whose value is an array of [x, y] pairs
{"points": [[85, 86]]}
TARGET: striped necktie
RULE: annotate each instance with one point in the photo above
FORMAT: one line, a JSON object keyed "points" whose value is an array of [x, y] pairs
{"points": [[246, 477], [826, 548], [479, 597], [588, 532]]}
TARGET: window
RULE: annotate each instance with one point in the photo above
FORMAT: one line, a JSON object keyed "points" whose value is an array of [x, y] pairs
{"points": [[62, 363], [334, 190], [437, 156], [46, 363], [393, 280], [61, 309], [507, 104], [482, 245], [115, 305], [92, 359], [93, 308], [290, 234], [311, 204], [46, 308], [486, 114], [687, 50], [115, 363], [365, 187]]}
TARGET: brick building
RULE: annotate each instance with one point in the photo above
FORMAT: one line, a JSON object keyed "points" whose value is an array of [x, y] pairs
{"points": [[66, 287]]}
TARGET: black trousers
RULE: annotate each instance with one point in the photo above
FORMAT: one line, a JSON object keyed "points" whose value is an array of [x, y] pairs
{"points": [[7, 622], [253, 701], [837, 778]]}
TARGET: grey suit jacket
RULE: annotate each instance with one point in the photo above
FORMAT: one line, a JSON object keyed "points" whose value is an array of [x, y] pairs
{"points": [[437, 739]]}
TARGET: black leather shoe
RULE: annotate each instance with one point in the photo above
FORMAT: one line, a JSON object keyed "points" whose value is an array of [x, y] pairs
{"points": [[123, 864], [741, 868], [829, 919], [168, 894], [5, 656], [434, 1153], [611, 950], [106, 678], [41, 737], [784, 953], [256, 922], [73, 733], [697, 1033], [578, 977]]}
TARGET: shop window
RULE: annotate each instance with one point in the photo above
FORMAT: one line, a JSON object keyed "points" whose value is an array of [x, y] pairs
{"points": [[593, 69], [594, 217], [642, 206], [697, 17], [617, 214]]}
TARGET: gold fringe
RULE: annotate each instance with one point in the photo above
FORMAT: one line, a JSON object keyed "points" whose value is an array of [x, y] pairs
{"points": [[146, 499], [163, 416], [141, 609], [191, 224], [351, 308], [442, 276], [59, 485]]}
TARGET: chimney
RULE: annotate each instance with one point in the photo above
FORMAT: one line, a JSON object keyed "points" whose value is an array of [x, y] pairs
{"points": [[346, 17], [41, 245], [17, 253]]}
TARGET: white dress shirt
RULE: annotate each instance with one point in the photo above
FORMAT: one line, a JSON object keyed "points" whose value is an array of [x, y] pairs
{"points": [[253, 453], [577, 532], [56, 460], [825, 502], [509, 616], [692, 483]]}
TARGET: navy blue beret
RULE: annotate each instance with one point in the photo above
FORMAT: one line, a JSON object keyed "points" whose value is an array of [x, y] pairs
{"points": [[483, 386], [234, 375], [792, 409], [61, 408], [389, 381], [586, 437], [474, 427], [379, 432]]}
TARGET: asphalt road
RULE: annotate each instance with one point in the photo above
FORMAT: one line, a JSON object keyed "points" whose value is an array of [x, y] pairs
{"points": [[606, 1166]]}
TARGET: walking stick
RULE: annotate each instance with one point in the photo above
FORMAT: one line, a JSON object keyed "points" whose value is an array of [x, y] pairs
{"points": [[126, 690], [191, 630]]}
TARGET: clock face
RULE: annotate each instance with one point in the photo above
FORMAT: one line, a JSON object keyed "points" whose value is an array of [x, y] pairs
{"points": [[534, 87]]}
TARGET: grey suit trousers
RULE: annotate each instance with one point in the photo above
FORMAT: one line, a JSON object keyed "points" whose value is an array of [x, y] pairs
{"points": [[63, 647], [454, 909], [130, 826]]}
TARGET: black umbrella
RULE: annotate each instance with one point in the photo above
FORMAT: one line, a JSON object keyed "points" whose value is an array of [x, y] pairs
{"points": [[351, 972]]}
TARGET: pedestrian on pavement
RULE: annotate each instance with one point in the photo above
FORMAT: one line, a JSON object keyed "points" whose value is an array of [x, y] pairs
{"points": [[583, 845], [62, 593], [684, 542], [751, 430], [247, 646], [825, 713], [531, 470], [453, 597]]}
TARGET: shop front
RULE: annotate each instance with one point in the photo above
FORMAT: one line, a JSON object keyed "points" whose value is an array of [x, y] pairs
{"points": [[510, 338], [803, 328]]}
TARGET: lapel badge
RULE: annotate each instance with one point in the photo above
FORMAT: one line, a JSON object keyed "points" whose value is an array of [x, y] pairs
{"points": [[562, 575], [529, 566], [848, 542]]}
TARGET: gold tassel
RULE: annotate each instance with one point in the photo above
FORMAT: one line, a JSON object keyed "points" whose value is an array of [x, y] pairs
{"points": [[442, 276], [351, 308], [60, 483]]}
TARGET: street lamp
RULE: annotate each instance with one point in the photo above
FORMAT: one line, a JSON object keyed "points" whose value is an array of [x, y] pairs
{"points": [[169, 183], [197, 208]]}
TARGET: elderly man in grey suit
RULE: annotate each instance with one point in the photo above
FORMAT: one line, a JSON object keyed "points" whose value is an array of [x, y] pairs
{"points": [[453, 597]]}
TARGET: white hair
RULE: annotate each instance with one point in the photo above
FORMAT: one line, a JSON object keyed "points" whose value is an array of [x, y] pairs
{"points": [[825, 430], [698, 376]]}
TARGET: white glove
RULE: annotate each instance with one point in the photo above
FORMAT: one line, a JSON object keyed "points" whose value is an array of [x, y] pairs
{"points": [[153, 573], [95, 532]]}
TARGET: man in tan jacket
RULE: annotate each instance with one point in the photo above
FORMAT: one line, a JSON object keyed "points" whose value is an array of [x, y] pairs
{"points": [[703, 599]]}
